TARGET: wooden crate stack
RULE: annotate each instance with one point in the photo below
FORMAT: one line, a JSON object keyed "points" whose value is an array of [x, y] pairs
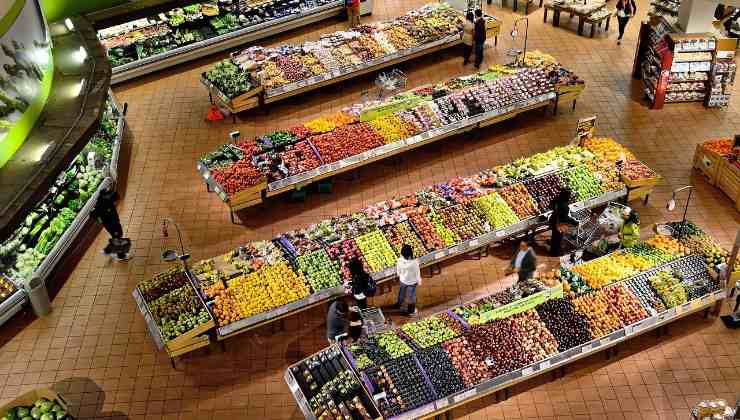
{"points": [[719, 171]]}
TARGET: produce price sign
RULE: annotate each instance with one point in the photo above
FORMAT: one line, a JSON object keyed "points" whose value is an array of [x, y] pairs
{"points": [[522, 305]]}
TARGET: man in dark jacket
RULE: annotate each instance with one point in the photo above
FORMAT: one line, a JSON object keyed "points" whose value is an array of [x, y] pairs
{"points": [[336, 320], [479, 37], [105, 212], [524, 261]]}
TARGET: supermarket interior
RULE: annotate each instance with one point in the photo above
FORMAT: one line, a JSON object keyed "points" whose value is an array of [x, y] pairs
{"points": [[369, 209]]}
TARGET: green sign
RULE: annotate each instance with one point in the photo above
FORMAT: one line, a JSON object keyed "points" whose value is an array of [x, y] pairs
{"points": [[392, 107], [522, 305]]}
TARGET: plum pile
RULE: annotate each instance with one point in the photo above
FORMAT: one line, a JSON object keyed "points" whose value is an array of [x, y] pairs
{"points": [[565, 323], [442, 373]]}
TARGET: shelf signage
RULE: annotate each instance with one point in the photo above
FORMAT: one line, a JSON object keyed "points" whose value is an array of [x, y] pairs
{"points": [[522, 305]]}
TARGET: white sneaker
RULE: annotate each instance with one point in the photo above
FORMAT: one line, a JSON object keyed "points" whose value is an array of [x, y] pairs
{"points": [[120, 259]]}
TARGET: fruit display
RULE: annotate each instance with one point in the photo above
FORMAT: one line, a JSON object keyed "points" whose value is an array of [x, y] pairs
{"points": [[344, 252], [320, 271], [544, 189], [533, 335], [626, 306], [183, 27], [497, 212], [393, 345], [519, 200], [463, 220], [428, 331], [402, 234], [644, 292], [449, 236], [565, 323], [472, 311], [162, 283], [366, 126], [668, 245], [612, 267], [35, 237], [670, 287], [722, 147], [602, 318], [471, 368], [41, 409], [442, 373], [403, 382], [582, 183], [608, 149], [376, 250], [635, 170], [427, 232], [499, 345]]}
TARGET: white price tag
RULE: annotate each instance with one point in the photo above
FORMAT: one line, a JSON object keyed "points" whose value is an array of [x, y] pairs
{"points": [[605, 340], [465, 395], [679, 309], [473, 243], [527, 371], [439, 255], [454, 249], [441, 404], [545, 365], [586, 348], [629, 330], [500, 233], [206, 176]]}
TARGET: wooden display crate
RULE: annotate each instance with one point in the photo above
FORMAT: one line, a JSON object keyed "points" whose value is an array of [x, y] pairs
{"points": [[636, 183], [728, 179], [30, 397], [707, 162], [194, 344], [187, 339], [247, 100], [639, 193], [248, 197]]}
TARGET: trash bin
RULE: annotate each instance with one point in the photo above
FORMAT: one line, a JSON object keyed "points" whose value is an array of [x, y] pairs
{"points": [[39, 297]]}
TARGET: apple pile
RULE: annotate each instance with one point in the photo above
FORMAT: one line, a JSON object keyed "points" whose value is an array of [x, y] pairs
{"points": [[519, 200], [299, 158], [602, 319], [347, 141], [565, 323], [625, 304], [442, 373], [463, 220], [472, 369], [496, 211], [376, 250], [449, 236], [238, 176], [428, 331], [427, 232], [320, 271], [500, 346], [402, 234], [641, 289], [582, 183], [544, 189], [533, 335], [162, 283], [392, 344], [344, 252]]}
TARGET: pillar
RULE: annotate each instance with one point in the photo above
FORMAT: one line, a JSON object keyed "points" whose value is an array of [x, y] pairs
{"points": [[696, 16]]}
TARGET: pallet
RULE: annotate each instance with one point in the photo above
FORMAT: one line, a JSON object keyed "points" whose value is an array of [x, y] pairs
{"points": [[708, 162]]}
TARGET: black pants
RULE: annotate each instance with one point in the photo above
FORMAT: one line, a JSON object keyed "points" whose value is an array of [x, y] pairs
{"points": [[622, 24], [737, 303], [478, 53], [467, 50], [556, 242], [524, 275], [113, 226]]}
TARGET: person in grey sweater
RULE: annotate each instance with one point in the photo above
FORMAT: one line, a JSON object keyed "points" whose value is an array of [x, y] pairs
{"points": [[336, 320]]}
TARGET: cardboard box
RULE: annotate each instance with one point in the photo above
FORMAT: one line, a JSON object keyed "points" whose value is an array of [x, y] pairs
{"points": [[30, 397]]}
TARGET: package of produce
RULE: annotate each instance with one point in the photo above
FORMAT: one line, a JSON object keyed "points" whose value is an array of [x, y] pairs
{"points": [[320, 271], [566, 324], [465, 359], [403, 383], [670, 287], [376, 250], [428, 331], [625, 304], [497, 212], [402, 234]]}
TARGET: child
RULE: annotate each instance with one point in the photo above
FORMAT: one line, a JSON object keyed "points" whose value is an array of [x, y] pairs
{"points": [[409, 274]]}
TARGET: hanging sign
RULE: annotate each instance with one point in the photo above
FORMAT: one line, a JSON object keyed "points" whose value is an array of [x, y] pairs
{"points": [[585, 129]]}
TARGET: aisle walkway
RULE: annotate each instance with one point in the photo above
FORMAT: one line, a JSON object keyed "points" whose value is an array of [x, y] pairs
{"points": [[96, 332]]}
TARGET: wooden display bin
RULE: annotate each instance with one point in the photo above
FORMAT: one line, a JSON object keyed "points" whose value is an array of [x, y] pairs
{"points": [[708, 162], [30, 397], [639, 193], [728, 180], [637, 183], [248, 197]]}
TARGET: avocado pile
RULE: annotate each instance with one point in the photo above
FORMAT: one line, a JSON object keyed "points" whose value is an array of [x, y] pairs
{"points": [[42, 409]]}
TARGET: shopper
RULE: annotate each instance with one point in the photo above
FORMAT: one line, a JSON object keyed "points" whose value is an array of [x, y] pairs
{"points": [[362, 285], [409, 274], [467, 36], [479, 37], [524, 261], [355, 324], [353, 12], [106, 214], [625, 10], [559, 221], [336, 320], [737, 302], [629, 233]]}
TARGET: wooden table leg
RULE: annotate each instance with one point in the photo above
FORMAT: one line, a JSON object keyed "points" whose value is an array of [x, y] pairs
{"points": [[593, 27], [515, 6], [556, 18], [545, 19], [607, 23], [580, 25]]}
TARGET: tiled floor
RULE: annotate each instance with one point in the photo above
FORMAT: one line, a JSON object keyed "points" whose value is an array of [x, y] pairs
{"points": [[94, 346]]}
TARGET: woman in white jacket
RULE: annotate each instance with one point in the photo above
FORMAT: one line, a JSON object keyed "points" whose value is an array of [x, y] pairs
{"points": [[409, 274]]}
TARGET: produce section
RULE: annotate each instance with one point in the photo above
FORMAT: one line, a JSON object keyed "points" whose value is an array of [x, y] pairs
{"points": [[193, 30], [245, 173], [263, 281], [718, 162], [442, 367], [35, 247]]}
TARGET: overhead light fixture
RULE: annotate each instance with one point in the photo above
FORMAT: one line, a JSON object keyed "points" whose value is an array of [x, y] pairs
{"points": [[68, 23], [82, 54]]}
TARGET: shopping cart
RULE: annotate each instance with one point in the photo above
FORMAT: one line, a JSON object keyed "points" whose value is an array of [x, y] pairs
{"points": [[579, 235], [373, 320], [609, 222], [390, 83]]}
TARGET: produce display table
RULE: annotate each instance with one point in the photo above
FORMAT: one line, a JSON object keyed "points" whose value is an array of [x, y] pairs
{"points": [[43, 251], [307, 14], [307, 378], [405, 105], [593, 13]]}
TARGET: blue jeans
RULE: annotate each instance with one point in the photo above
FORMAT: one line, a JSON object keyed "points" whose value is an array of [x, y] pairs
{"points": [[411, 294], [479, 53]]}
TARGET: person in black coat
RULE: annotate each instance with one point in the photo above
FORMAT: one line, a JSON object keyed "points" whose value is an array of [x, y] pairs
{"points": [[559, 220], [359, 282], [355, 324], [479, 37], [106, 214], [524, 261], [625, 10]]}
